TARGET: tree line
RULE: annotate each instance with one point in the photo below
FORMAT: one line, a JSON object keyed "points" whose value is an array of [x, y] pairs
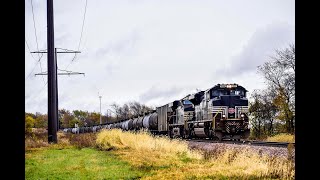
{"points": [[273, 109], [69, 118]]}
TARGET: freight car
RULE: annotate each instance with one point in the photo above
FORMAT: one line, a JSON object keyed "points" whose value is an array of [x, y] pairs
{"points": [[219, 113]]}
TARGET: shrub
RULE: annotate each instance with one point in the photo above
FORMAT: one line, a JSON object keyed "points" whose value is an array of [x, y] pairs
{"points": [[29, 124], [82, 140], [36, 138]]}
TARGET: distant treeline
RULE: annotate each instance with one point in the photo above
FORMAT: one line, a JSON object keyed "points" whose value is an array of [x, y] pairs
{"points": [[69, 118]]}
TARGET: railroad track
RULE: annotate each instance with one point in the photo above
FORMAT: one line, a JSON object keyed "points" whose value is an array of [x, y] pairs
{"points": [[252, 143]]}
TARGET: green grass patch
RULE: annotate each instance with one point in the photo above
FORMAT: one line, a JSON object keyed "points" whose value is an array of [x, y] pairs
{"points": [[72, 163]]}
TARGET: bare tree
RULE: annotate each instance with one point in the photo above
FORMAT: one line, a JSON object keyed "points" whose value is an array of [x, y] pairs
{"points": [[117, 109], [136, 108], [126, 111], [286, 58], [130, 109]]}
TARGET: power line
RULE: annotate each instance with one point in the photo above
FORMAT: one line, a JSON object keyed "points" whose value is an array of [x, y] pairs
{"points": [[33, 68], [44, 51], [65, 51], [39, 92], [35, 33], [30, 50], [84, 17], [37, 61], [34, 26]]}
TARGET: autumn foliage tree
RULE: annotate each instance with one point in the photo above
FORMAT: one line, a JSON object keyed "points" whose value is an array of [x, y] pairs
{"points": [[279, 75], [285, 113], [263, 112], [29, 124]]}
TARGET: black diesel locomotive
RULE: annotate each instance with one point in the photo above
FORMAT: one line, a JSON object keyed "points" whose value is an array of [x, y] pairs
{"points": [[216, 113]]}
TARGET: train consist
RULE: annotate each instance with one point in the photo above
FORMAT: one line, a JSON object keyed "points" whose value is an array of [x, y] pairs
{"points": [[219, 113]]}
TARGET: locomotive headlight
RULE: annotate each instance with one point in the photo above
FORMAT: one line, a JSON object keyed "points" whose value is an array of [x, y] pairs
{"points": [[242, 115], [223, 115]]}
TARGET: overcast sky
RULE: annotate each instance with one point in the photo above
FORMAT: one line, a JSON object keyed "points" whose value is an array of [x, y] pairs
{"points": [[153, 51]]}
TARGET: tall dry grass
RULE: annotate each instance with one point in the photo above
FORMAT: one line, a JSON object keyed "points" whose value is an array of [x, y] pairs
{"points": [[144, 150], [283, 137], [171, 159]]}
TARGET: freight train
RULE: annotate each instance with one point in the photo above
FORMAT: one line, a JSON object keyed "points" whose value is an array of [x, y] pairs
{"points": [[220, 112]]}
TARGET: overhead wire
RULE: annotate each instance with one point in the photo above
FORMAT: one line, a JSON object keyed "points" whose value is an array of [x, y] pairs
{"points": [[37, 61], [84, 17], [30, 50], [35, 33], [41, 90]]}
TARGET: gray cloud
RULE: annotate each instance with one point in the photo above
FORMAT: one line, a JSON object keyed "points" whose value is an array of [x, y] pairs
{"points": [[259, 48]]}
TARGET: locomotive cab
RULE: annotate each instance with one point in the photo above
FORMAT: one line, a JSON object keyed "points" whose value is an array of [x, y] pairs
{"points": [[229, 110]]}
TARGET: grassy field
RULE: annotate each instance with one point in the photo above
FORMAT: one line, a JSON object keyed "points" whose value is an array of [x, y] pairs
{"points": [[73, 163], [74, 157], [113, 154]]}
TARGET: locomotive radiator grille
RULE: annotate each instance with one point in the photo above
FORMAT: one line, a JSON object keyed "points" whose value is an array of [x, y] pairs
{"points": [[232, 126]]}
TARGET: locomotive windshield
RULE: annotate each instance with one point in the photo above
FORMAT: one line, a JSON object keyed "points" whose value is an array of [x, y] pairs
{"points": [[237, 92], [221, 92], [187, 102], [188, 106]]}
